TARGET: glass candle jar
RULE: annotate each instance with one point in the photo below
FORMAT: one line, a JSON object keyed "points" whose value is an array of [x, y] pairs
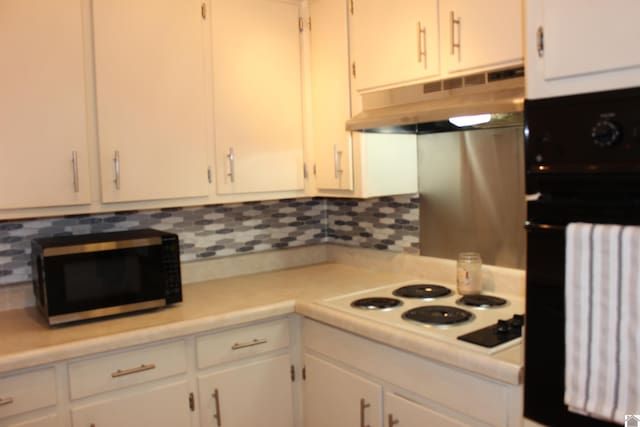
{"points": [[469, 273]]}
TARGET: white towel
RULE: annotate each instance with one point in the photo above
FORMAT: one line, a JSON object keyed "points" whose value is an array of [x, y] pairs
{"points": [[602, 342]]}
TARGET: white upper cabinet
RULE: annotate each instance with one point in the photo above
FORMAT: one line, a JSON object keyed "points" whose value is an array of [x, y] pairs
{"points": [[257, 91], [577, 46], [480, 35], [393, 43], [330, 94], [43, 119], [150, 71]]}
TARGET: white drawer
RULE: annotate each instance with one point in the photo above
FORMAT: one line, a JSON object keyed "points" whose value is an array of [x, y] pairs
{"points": [[126, 368], [27, 391], [242, 342]]}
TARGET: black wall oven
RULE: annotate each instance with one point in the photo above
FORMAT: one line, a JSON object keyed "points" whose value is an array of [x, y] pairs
{"points": [[582, 165]]}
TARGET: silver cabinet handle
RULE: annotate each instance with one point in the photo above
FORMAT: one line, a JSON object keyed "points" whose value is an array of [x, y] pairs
{"points": [[422, 43], [141, 368], [255, 341], [363, 406], [217, 415], [74, 163], [116, 168], [209, 175], [6, 401], [540, 41], [393, 422], [455, 22], [337, 161], [232, 160]]}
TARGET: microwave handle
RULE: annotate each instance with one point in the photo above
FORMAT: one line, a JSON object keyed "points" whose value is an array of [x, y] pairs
{"points": [[533, 226]]}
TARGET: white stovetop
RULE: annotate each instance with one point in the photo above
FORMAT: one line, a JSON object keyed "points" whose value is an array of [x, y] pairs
{"points": [[482, 317]]}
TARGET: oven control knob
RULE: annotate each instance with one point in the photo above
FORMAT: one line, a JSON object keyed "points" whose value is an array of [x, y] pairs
{"points": [[605, 133], [503, 326]]}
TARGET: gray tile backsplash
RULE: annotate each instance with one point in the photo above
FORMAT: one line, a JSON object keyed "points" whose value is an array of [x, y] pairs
{"points": [[387, 223]]}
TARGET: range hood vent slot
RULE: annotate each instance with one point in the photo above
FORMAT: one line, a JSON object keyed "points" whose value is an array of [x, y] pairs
{"points": [[426, 108]]}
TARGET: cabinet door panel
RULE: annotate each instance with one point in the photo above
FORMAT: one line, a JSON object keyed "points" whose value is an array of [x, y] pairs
{"points": [[257, 96], [42, 106], [601, 37], [255, 394], [333, 396], [387, 42], [489, 34], [150, 93], [406, 413], [165, 406], [330, 94]]}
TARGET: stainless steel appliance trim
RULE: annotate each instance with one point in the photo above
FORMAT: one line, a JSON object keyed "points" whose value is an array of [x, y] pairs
{"points": [[137, 369], [107, 311], [102, 246]]}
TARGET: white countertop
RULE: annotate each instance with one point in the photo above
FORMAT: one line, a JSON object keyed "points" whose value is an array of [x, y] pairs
{"points": [[27, 341]]}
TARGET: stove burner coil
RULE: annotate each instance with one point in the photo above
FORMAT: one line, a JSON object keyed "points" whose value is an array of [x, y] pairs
{"points": [[437, 315], [422, 291], [481, 301], [376, 303]]}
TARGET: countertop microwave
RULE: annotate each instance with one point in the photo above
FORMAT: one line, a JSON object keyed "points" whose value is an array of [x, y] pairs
{"points": [[102, 274]]}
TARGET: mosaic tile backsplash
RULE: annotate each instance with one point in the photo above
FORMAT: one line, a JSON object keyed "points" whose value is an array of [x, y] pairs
{"points": [[387, 223]]}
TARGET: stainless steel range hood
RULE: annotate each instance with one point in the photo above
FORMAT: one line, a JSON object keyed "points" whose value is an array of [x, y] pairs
{"points": [[427, 108]]}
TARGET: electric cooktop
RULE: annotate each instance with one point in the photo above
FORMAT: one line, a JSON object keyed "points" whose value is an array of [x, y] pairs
{"points": [[487, 322]]}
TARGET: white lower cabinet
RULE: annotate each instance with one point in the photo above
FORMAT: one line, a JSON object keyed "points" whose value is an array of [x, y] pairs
{"points": [[337, 397], [350, 380], [257, 393], [163, 406]]}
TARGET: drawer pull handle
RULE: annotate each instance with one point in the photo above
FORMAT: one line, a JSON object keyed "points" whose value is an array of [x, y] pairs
{"points": [[217, 415], [363, 406], [141, 368], [6, 401], [393, 422], [256, 341]]}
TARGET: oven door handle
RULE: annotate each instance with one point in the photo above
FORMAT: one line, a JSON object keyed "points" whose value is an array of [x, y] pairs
{"points": [[531, 226]]}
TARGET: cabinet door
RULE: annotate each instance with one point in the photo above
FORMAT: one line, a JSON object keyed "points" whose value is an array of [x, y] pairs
{"points": [[589, 51], [165, 406], [394, 45], [330, 94], [43, 127], [401, 412], [252, 394], [336, 397], [480, 35], [149, 58], [257, 96]]}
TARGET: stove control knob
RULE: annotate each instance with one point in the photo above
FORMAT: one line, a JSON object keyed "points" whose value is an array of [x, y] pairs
{"points": [[503, 326], [517, 320], [605, 133]]}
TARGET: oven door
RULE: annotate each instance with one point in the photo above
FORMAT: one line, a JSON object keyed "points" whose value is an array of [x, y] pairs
{"points": [[545, 327], [83, 285]]}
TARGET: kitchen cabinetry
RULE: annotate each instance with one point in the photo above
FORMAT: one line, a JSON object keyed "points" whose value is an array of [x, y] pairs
{"points": [[43, 116], [479, 36], [414, 388], [163, 406], [150, 87], [393, 45], [330, 94], [349, 164], [337, 397], [257, 92], [569, 52], [24, 393], [250, 368]]}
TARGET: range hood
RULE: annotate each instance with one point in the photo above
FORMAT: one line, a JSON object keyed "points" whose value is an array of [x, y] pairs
{"points": [[427, 108]]}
